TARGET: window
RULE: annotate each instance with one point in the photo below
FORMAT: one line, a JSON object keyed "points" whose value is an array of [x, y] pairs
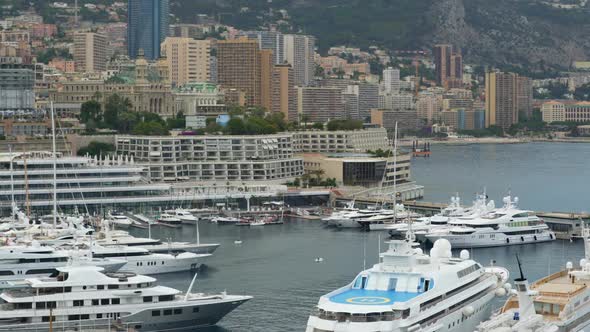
{"points": [[165, 298], [95, 302], [178, 311], [392, 283], [98, 315], [100, 287], [40, 305], [196, 309], [78, 303], [104, 302], [85, 316], [116, 301], [45, 319], [155, 313], [113, 286], [51, 305], [74, 317], [167, 312], [67, 289], [147, 299]]}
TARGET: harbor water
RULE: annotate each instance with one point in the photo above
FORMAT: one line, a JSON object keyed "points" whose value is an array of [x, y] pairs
{"points": [[276, 264]]}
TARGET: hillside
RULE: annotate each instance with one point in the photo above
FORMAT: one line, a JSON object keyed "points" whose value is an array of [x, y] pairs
{"points": [[523, 33]]}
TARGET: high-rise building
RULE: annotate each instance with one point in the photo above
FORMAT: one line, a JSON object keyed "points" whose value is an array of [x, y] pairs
{"points": [[350, 98], [391, 82], [266, 66], [269, 40], [90, 52], [16, 87], [299, 52], [427, 107], [501, 100], [368, 99], [239, 67], [442, 62], [284, 95], [524, 95], [319, 104], [188, 59], [147, 27]]}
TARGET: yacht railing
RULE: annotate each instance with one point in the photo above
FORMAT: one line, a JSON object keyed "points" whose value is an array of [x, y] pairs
{"points": [[356, 318]]}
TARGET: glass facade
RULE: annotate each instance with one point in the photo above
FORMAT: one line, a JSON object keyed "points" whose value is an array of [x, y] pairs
{"points": [[147, 27]]}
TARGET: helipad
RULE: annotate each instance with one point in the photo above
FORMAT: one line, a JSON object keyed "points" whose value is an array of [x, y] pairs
{"points": [[371, 297]]}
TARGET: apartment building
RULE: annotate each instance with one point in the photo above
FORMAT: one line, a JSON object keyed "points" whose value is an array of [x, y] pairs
{"points": [[555, 111], [90, 52], [214, 158], [188, 59], [339, 141]]}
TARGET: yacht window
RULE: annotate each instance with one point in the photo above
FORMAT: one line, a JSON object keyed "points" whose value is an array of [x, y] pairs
{"points": [[426, 285], [67, 289], [95, 302], [165, 298], [195, 309], [100, 287], [6, 273], [116, 301], [27, 305], [147, 299], [521, 287], [51, 305], [104, 302], [98, 315], [74, 317], [85, 316], [155, 313], [178, 311], [167, 312], [40, 305], [45, 319], [78, 303], [113, 286], [556, 309]]}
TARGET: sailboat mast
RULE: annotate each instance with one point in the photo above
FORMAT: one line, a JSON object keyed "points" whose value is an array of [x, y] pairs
{"points": [[11, 175], [54, 167], [395, 174]]}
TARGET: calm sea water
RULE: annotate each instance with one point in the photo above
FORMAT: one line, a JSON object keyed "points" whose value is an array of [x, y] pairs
{"points": [[276, 264]]}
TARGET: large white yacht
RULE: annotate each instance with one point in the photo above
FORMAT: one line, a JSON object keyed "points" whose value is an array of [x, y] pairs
{"points": [[559, 302], [20, 262], [422, 226], [140, 260], [85, 298], [505, 226], [412, 291]]}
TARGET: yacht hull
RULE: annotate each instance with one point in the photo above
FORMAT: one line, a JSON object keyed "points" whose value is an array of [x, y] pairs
{"points": [[192, 314], [149, 266], [477, 240], [454, 321], [348, 223]]}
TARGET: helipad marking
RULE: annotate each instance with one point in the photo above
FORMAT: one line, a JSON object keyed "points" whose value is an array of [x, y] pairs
{"points": [[368, 300]]}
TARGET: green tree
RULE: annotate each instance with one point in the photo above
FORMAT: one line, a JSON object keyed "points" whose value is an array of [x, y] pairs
{"points": [[150, 128], [90, 111], [344, 125], [114, 107], [177, 122], [95, 148], [236, 126], [318, 125]]}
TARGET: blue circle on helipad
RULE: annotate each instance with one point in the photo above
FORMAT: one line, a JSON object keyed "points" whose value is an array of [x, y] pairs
{"points": [[368, 300]]}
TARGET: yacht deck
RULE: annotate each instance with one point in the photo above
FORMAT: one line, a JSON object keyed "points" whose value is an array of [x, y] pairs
{"points": [[559, 287], [372, 297]]}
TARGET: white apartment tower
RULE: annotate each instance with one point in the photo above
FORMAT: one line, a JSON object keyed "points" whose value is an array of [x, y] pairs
{"points": [[298, 50]]}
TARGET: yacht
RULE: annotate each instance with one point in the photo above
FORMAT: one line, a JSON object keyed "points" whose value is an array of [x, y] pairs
{"points": [[225, 220], [119, 220], [557, 303], [185, 216], [168, 218], [422, 226], [87, 298], [506, 226], [141, 260], [352, 218], [412, 291], [387, 218], [20, 262]]}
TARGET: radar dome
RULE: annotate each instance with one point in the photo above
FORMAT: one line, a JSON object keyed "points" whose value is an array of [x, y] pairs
{"points": [[464, 255], [418, 251], [582, 262], [569, 265], [441, 249]]}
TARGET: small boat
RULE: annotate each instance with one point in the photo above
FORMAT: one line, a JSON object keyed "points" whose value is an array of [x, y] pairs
{"points": [[167, 218], [258, 223], [119, 220]]}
